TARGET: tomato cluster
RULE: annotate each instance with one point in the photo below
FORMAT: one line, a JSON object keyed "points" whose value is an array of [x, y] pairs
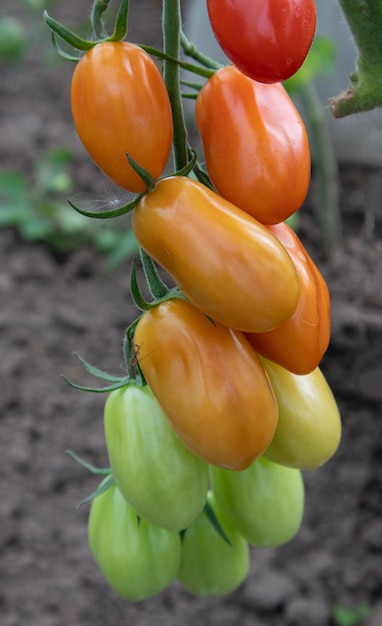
{"points": [[208, 444]]}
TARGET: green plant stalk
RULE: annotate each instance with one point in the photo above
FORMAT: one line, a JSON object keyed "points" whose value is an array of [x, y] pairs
{"points": [[171, 26], [365, 89], [327, 170]]}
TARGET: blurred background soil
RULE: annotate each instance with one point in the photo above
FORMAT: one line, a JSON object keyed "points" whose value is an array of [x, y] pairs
{"points": [[53, 304]]}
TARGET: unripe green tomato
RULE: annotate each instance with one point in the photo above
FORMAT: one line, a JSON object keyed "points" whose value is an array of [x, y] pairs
{"points": [[265, 502], [137, 559], [210, 566], [12, 38], [308, 432], [162, 479]]}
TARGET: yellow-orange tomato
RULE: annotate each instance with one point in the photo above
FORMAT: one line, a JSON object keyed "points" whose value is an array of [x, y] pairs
{"points": [[120, 105], [299, 343], [309, 427], [255, 144], [227, 263], [209, 382]]}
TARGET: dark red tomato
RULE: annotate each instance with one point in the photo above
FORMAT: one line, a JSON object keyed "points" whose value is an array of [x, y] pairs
{"points": [[255, 144], [299, 344], [266, 39], [120, 104]]}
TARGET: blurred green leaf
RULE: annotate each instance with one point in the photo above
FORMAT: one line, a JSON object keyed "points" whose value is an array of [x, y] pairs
{"points": [[344, 616]]}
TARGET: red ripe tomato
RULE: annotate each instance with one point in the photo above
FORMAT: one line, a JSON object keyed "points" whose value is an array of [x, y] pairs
{"points": [[266, 39], [299, 344], [120, 104], [255, 144]]}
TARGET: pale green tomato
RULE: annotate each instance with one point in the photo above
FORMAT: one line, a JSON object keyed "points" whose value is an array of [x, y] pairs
{"points": [[308, 432], [265, 502], [137, 559], [162, 479], [210, 566]]}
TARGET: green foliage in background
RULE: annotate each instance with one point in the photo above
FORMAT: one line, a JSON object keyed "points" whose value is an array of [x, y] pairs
{"points": [[39, 211]]}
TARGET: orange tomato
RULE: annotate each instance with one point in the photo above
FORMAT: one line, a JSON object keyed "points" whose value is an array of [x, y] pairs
{"points": [[228, 264], [120, 104], [299, 343], [210, 383], [255, 145]]}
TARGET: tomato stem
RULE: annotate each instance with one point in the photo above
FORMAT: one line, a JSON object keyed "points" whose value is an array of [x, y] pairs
{"points": [[171, 27]]}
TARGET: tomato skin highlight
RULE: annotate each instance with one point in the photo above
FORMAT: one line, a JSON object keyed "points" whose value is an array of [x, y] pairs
{"points": [[266, 39], [265, 502], [308, 432], [209, 382], [163, 481], [299, 344], [211, 567], [137, 559], [120, 104], [228, 264], [256, 147]]}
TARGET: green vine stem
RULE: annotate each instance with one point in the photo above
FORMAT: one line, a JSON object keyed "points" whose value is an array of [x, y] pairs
{"points": [[326, 169], [365, 89], [171, 45]]}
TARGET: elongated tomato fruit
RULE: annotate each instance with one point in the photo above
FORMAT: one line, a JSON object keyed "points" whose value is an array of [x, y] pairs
{"points": [[255, 145], [120, 105], [228, 264], [210, 383], [299, 343], [309, 428]]}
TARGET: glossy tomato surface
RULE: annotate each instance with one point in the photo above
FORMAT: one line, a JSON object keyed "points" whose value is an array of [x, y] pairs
{"points": [[255, 144], [137, 559], [210, 566], [309, 427], [265, 502], [209, 382], [299, 343], [120, 104], [164, 482], [227, 263], [266, 39]]}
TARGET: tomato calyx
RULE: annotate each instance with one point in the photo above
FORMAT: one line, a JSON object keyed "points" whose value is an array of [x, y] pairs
{"points": [[160, 292], [97, 471], [150, 182], [77, 42]]}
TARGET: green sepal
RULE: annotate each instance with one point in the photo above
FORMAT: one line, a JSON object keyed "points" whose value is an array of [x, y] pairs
{"points": [[102, 215], [117, 385], [208, 510], [67, 35], [104, 486], [158, 288], [121, 22], [103, 471], [61, 52], [95, 371], [136, 294], [117, 381], [142, 173], [188, 168]]}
